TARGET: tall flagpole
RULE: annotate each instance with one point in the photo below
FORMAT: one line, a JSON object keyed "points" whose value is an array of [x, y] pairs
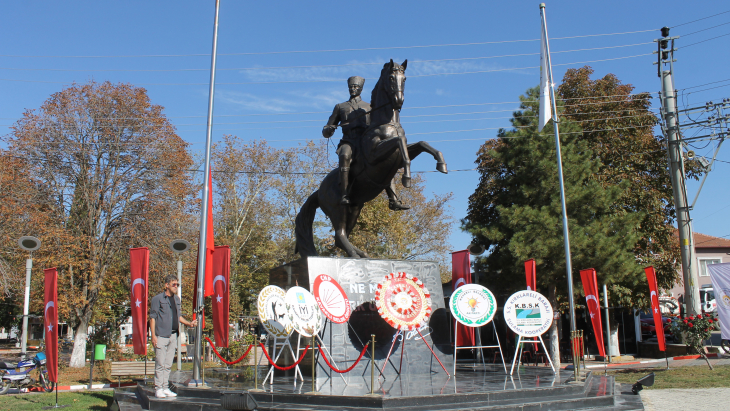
{"points": [[196, 381], [566, 236]]}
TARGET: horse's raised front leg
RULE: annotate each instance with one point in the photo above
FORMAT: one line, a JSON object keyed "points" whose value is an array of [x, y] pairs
{"points": [[420, 147], [403, 146]]}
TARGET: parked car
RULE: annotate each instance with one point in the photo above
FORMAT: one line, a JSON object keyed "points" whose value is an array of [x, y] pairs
{"points": [[648, 329], [707, 300], [669, 306]]}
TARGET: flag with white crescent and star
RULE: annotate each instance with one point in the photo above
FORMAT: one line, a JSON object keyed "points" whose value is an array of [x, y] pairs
{"points": [[461, 275], [530, 275], [220, 300], [590, 288], [655, 309], [50, 322], [139, 267]]}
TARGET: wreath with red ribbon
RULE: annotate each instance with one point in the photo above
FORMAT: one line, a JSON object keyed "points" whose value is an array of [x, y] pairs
{"points": [[403, 301]]}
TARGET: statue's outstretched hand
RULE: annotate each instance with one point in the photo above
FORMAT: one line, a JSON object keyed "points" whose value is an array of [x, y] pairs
{"points": [[328, 131]]}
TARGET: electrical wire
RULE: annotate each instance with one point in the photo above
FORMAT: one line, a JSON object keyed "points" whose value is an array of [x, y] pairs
{"points": [[703, 41], [327, 50], [709, 28], [700, 19], [339, 80], [313, 66]]}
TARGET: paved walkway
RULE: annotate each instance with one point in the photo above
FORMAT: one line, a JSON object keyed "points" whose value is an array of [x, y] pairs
{"points": [[686, 399]]}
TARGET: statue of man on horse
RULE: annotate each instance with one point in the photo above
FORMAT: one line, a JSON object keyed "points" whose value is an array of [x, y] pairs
{"points": [[354, 118], [371, 161]]}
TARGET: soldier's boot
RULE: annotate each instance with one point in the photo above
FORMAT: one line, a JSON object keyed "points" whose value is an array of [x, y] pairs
{"points": [[344, 175], [393, 202]]}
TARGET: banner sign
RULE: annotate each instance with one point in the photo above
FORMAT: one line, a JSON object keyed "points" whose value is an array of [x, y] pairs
{"points": [[590, 288], [720, 277], [655, 309], [303, 312], [221, 292], [139, 267], [331, 299], [50, 315], [272, 311], [528, 313], [473, 305]]}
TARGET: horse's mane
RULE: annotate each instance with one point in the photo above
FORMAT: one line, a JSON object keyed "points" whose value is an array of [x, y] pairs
{"points": [[379, 85]]}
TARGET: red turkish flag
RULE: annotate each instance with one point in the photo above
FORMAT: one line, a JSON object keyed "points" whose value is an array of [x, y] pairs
{"points": [[221, 288], [209, 249], [139, 267], [461, 275], [654, 299], [590, 288], [530, 275], [50, 315]]}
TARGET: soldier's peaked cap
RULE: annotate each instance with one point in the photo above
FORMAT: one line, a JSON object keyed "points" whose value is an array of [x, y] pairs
{"points": [[356, 80]]}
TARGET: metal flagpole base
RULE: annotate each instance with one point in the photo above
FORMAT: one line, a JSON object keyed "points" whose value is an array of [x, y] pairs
{"points": [[53, 407], [196, 383]]}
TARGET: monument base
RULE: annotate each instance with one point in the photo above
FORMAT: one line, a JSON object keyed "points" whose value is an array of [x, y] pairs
{"points": [[486, 389]]}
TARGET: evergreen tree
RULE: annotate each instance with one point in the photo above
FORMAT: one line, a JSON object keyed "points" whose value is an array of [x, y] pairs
{"points": [[515, 211]]}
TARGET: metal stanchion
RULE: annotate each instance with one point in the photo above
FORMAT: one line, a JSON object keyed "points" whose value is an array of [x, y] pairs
{"points": [[256, 367], [314, 366], [372, 367]]}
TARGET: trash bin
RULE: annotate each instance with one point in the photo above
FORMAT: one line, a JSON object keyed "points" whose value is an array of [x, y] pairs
{"points": [[99, 352]]}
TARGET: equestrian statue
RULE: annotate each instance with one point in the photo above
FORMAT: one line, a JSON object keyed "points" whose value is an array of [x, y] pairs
{"points": [[372, 150]]}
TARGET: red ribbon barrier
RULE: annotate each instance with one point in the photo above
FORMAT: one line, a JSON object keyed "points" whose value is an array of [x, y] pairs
{"points": [[223, 359], [284, 368], [321, 351]]}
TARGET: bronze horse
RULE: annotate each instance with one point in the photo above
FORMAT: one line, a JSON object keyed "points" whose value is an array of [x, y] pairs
{"points": [[383, 150]]}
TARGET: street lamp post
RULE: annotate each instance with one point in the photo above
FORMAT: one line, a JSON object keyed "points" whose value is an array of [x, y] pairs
{"points": [[179, 247], [29, 244]]}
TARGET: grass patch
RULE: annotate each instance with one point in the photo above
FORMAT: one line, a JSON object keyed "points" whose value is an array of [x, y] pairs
{"points": [[681, 377], [88, 400]]}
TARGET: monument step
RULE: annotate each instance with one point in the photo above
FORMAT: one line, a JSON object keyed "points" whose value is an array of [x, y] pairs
{"points": [[597, 393]]}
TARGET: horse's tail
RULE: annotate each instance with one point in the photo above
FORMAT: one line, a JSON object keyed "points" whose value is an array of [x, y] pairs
{"points": [[304, 222]]}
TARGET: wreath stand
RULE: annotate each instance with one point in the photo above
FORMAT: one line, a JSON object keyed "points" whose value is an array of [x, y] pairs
{"points": [[324, 348], [521, 340], [499, 345], [402, 347], [281, 346]]}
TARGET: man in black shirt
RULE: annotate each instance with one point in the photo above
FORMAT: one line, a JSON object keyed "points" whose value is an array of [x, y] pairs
{"points": [[165, 319]]}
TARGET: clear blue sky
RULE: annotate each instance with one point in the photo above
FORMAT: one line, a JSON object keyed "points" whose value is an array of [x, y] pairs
{"points": [[282, 67]]}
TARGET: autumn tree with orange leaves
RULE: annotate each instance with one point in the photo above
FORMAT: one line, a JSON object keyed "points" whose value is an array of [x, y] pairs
{"points": [[113, 176]]}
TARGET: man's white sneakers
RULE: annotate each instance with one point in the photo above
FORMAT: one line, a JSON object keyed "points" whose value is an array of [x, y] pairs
{"points": [[169, 393], [160, 394]]}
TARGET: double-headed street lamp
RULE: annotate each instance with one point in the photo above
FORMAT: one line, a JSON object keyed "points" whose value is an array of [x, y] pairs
{"points": [[179, 247], [29, 244]]}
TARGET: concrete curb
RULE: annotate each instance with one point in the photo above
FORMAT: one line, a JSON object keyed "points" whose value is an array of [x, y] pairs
{"points": [[682, 357], [80, 387]]}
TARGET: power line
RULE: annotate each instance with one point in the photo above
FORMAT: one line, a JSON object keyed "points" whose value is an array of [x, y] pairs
{"points": [[312, 66], [327, 50], [700, 19], [709, 28], [703, 41], [339, 80], [410, 108], [320, 121]]}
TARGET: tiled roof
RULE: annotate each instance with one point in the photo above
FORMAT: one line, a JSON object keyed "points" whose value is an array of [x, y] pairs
{"points": [[708, 241]]}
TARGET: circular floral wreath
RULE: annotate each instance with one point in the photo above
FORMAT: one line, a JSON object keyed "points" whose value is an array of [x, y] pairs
{"points": [[403, 301]]}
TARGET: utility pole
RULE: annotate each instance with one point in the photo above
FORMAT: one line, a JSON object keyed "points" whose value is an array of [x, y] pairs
{"points": [[677, 173]]}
